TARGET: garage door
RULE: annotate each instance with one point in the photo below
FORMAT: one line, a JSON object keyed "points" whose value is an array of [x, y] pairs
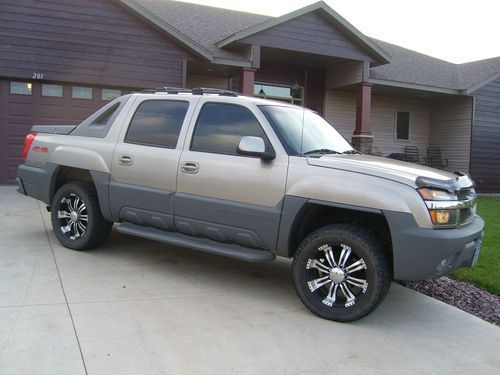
{"points": [[23, 104]]}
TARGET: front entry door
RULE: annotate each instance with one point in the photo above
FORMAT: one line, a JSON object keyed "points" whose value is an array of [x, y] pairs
{"points": [[225, 196]]}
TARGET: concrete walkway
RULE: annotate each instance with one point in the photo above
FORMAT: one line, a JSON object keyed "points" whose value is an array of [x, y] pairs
{"points": [[139, 307]]}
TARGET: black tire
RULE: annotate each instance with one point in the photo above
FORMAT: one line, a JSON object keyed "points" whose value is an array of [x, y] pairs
{"points": [[96, 228], [329, 297]]}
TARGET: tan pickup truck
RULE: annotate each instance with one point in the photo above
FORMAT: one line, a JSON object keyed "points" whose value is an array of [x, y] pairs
{"points": [[249, 178]]}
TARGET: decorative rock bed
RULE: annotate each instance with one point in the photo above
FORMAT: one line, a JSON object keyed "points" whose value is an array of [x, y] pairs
{"points": [[462, 295]]}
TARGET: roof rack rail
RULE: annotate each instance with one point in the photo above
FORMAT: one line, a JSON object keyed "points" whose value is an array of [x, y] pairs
{"points": [[195, 91], [168, 90], [207, 90]]}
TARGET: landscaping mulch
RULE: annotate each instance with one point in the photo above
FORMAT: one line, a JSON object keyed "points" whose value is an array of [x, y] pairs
{"points": [[462, 295]]}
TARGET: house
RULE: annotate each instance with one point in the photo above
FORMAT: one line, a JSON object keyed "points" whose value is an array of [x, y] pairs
{"points": [[60, 60]]}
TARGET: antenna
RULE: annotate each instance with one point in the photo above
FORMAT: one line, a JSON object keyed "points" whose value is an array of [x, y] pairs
{"points": [[302, 132]]}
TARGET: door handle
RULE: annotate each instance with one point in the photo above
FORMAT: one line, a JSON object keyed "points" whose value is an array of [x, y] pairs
{"points": [[190, 167], [126, 160]]}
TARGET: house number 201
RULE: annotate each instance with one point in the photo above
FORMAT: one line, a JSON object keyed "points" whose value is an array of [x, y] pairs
{"points": [[37, 76]]}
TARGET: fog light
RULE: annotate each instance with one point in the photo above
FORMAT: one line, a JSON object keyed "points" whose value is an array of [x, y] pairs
{"points": [[443, 217]]}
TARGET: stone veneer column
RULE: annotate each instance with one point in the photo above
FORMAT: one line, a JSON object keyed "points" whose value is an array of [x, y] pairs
{"points": [[362, 138]]}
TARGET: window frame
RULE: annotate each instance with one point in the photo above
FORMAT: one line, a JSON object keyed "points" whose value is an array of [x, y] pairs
{"points": [[396, 139], [82, 87], [19, 93], [267, 142], [108, 100], [52, 96], [154, 144]]}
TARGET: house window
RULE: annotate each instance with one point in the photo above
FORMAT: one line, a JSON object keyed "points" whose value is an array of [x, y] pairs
{"points": [[110, 94], [282, 93], [402, 126], [21, 88], [52, 90], [82, 92]]}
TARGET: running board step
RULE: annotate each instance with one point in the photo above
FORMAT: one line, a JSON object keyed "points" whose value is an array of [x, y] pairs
{"points": [[195, 243]]}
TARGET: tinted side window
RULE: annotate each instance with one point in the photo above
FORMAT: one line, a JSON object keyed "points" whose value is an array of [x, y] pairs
{"points": [[221, 126], [157, 123]]}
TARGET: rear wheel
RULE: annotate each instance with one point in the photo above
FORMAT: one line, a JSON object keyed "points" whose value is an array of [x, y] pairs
{"points": [[341, 272], [76, 217]]}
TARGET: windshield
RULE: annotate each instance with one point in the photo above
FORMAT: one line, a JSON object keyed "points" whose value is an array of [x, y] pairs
{"points": [[316, 136]]}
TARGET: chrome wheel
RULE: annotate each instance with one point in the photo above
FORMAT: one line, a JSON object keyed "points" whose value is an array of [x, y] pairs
{"points": [[337, 275], [72, 216]]}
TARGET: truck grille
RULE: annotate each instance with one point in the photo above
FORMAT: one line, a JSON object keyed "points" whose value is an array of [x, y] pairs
{"points": [[467, 214]]}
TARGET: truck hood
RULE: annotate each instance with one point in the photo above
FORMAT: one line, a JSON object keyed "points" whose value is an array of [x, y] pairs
{"points": [[403, 172]]}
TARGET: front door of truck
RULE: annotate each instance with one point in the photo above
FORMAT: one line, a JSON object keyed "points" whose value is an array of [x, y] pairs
{"points": [[222, 195]]}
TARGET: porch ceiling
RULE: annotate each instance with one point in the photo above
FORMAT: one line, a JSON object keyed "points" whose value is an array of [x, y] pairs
{"points": [[203, 68]]}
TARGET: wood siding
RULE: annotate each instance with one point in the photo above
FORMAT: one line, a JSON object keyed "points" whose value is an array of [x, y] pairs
{"points": [[92, 41], [340, 111], [485, 156], [195, 80], [310, 33], [450, 130], [344, 74]]}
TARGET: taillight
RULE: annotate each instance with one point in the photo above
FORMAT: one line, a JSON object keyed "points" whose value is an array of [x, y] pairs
{"points": [[27, 144]]}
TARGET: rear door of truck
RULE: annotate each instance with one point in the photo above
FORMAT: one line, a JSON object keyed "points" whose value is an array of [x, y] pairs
{"points": [[145, 160]]}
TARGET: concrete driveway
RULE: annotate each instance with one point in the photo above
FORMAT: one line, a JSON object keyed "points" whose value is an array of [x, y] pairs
{"points": [[139, 307]]}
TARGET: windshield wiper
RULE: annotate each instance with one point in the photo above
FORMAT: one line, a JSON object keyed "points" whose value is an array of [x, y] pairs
{"points": [[349, 152], [321, 151]]}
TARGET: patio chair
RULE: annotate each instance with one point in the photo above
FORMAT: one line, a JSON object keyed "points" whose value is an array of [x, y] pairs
{"points": [[433, 158], [412, 154]]}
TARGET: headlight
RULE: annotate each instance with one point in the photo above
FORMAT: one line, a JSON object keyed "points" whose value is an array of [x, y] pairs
{"points": [[436, 195], [442, 206]]}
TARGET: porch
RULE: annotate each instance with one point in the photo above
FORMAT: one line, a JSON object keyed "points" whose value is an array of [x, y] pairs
{"points": [[433, 120]]}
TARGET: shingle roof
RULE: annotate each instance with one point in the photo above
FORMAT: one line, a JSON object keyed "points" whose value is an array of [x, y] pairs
{"points": [[413, 67], [409, 66], [205, 26], [472, 73]]}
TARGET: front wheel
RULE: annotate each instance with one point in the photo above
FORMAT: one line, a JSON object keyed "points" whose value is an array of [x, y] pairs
{"points": [[76, 217], [341, 272]]}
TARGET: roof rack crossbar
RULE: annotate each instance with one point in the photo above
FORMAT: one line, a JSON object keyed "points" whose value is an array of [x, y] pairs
{"points": [[208, 90], [168, 90]]}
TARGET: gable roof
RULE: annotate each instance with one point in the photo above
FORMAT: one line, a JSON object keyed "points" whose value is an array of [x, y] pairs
{"points": [[205, 29], [333, 16], [197, 27]]}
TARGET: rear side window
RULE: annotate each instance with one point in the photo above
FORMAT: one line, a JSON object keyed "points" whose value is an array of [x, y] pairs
{"points": [[220, 127], [106, 116], [157, 123]]}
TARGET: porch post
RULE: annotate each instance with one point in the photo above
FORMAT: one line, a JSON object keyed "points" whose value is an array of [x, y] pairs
{"points": [[362, 138], [247, 81]]}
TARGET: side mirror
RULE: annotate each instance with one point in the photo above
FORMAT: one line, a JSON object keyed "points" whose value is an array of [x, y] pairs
{"points": [[255, 146]]}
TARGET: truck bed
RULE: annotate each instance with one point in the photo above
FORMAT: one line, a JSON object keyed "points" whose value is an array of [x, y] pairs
{"points": [[53, 129]]}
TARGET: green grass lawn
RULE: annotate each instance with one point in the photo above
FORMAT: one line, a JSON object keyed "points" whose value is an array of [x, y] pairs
{"points": [[486, 274]]}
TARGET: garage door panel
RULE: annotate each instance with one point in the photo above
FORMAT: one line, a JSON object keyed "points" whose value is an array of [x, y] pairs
{"points": [[18, 128], [51, 112], [18, 113], [78, 114], [19, 109]]}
